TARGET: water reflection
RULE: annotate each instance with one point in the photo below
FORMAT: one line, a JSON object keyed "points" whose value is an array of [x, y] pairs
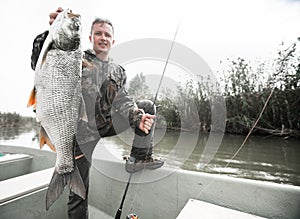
{"points": [[13, 132], [261, 158], [19, 135]]}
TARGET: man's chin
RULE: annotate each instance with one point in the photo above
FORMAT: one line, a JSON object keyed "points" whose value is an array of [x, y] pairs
{"points": [[104, 51]]}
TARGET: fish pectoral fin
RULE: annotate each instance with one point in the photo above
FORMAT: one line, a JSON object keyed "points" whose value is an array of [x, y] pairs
{"points": [[58, 182], [32, 99], [44, 139]]}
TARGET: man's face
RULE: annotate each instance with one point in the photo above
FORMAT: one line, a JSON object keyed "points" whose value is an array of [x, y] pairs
{"points": [[102, 38]]}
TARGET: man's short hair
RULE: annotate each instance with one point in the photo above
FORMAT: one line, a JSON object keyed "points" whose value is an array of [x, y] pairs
{"points": [[99, 20]]}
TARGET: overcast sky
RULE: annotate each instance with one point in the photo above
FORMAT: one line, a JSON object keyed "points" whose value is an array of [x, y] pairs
{"points": [[215, 30]]}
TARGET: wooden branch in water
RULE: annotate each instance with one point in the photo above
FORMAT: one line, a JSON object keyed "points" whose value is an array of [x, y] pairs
{"points": [[283, 132]]}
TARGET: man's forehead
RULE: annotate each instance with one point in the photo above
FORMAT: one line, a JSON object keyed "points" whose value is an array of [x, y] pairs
{"points": [[102, 26]]}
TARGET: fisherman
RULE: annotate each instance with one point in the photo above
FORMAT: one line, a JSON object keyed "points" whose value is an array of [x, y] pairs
{"points": [[108, 108]]}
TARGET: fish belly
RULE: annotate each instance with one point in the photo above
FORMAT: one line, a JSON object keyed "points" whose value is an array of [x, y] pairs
{"points": [[58, 99]]}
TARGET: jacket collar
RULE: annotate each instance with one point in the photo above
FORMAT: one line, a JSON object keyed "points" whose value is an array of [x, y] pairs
{"points": [[92, 53]]}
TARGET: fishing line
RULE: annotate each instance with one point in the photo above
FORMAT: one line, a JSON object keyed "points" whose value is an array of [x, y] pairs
{"points": [[254, 125], [242, 145], [119, 212]]}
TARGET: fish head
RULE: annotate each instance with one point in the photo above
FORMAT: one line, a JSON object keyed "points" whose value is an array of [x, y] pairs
{"points": [[67, 30]]}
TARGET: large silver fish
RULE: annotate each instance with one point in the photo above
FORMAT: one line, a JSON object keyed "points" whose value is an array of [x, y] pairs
{"points": [[58, 98]]}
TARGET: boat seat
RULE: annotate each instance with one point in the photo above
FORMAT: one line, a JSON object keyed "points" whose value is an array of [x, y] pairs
{"points": [[12, 165], [21, 185], [199, 209]]}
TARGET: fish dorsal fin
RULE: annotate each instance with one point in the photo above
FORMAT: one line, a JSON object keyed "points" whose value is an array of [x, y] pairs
{"points": [[50, 38], [45, 53]]}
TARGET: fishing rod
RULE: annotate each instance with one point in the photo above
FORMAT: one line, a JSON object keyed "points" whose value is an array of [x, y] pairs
{"points": [[119, 211], [165, 67]]}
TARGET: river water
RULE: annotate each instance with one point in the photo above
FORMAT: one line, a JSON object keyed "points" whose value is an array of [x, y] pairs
{"points": [[261, 157]]}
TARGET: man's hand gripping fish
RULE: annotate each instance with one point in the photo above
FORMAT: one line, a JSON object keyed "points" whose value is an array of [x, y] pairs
{"points": [[57, 90]]}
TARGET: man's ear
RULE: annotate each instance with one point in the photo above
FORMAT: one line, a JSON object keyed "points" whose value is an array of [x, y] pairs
{"points": [[113, 42], [90, 37]]}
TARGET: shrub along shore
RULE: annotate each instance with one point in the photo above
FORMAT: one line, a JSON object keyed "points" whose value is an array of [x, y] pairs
{"points": [[244, 89]]}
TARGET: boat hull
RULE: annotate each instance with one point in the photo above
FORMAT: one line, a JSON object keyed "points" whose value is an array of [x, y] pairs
{"points": [[161, 193]]}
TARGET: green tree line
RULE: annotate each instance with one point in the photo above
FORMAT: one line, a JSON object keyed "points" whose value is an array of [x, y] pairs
{"points": [[244, 89], [8, 119], [13, 124]]}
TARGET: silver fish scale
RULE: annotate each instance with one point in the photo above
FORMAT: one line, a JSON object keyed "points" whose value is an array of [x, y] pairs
{"points": [[58, 98]]}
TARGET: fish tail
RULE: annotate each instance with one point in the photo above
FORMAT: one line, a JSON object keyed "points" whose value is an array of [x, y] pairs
{"points": [[58, 182], [55, 189], [75, 183]]}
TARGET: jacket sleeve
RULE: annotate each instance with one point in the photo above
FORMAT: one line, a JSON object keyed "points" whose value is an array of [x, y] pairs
{"points": [[37, 47], [125, 106]]}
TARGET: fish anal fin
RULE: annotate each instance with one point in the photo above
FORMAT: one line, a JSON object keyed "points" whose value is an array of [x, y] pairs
{"points": [[58, 182], [32, 99], [44, 139]]}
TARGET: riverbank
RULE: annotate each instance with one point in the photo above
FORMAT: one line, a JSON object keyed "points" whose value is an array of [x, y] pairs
{"points": [[263, 157]]}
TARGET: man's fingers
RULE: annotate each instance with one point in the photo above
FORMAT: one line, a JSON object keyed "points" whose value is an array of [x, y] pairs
{"points": [[59, 9], [53, 15], [147, 122], [149, 116]]}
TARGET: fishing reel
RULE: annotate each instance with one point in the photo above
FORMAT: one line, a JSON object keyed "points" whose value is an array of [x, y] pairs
{"points": [[132, 216]]}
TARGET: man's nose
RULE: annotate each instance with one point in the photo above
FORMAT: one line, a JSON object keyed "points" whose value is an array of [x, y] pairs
{"points": [[103, 36]]}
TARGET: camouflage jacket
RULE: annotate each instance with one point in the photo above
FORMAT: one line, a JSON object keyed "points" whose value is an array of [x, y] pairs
{"points": [[104, 93]]}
